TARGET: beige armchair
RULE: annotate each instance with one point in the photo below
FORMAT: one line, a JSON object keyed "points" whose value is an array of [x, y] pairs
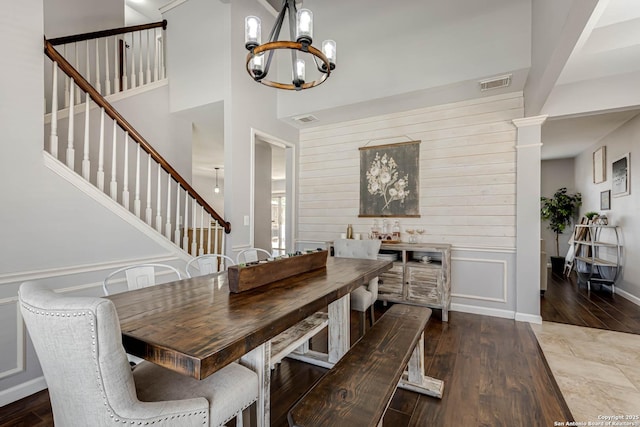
{"points": [[79, 345]]}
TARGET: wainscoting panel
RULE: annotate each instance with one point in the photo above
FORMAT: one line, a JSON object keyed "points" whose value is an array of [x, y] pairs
{"points": [[11, 338], [483, 278]]}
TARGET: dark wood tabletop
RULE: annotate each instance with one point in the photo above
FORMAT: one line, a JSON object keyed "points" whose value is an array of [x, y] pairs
{"points": [[195, 326]]}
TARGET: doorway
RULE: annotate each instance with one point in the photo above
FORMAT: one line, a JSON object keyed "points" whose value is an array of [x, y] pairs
{"points": [[272, 194]]}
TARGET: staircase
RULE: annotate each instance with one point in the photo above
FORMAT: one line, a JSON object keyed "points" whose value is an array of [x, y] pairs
{"points": [[86, 134]]}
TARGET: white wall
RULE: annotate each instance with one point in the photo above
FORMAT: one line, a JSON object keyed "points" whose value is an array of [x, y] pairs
{"points": [[624, 210], [249, 107], [556, 174], [52, 231], [467, 188], [68, 17], [197, 53], [495, 39], [262, 196]]}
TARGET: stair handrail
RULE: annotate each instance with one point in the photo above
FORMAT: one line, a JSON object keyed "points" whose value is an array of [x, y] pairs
{"points": [[106, 33], [70, 71]]}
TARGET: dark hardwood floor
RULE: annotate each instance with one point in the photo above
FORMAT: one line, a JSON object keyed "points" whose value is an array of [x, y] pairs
{"points": [[494, 374], [566, 301]]}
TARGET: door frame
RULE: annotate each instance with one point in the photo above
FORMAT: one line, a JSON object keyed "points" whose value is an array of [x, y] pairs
{"points": [[290, 186]]}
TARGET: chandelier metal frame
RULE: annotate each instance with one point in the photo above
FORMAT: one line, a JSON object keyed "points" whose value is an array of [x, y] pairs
{"points": [[303, 44]]}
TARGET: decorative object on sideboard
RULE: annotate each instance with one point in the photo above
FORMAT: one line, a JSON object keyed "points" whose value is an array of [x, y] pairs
{"points": [[300, 25]]}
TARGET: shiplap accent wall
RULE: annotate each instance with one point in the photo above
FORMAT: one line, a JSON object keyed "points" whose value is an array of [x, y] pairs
{"points": [[467, 172], [467, 189]]}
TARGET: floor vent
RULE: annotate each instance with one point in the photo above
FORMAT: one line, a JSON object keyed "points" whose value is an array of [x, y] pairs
{"points": [[305, 119], [495, 82]]}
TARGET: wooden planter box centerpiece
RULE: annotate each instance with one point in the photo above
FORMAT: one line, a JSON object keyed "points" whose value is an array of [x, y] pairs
{"points": [[245, 277]]}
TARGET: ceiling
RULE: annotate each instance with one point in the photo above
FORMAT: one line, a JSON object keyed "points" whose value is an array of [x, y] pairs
{"points": [[608, 47]]}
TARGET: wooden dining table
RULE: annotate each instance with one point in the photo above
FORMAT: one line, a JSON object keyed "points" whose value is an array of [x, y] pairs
{"points": [[196, 326]]}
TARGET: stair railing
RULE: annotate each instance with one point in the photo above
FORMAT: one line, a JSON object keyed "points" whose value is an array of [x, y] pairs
{"points": [[193, 218], [116, 60]]}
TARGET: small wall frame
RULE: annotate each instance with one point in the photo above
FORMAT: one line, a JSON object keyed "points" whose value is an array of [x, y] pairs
{"points": [[600, 165]]}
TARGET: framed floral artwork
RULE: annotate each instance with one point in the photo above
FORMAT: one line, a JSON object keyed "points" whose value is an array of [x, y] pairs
{"points": [[389, 180]]}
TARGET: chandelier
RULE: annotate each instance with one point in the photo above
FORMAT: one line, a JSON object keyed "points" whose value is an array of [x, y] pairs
{"points": [[301, 30]]}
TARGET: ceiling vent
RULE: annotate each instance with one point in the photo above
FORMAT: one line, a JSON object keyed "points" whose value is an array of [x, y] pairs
{"points": [[305, 119], [495, 82]]}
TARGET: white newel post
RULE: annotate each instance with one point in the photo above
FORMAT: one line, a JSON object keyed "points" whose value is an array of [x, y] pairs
{"points": [[53, 138], [209, 234], [215, 239], [528, 146]]}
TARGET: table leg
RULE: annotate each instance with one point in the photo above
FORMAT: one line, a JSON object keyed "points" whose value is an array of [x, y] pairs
{"points": [[415, 380], [339, 328], [258, 360]]}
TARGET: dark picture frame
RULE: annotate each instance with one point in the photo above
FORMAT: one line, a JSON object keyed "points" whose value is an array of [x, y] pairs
{"points": [[620, 173], [389, 180], [605, 200], [599, 165]]}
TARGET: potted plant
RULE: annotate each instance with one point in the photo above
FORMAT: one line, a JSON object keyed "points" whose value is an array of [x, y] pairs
{"points": [[559, 210]]}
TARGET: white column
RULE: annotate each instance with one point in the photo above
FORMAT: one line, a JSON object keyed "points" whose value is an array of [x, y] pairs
{"points": [[528, 146]]}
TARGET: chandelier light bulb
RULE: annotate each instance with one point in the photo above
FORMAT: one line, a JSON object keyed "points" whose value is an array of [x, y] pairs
{"points": [[304, 26], [257, 65], [298, 78], [329, 50], [252, 32]]}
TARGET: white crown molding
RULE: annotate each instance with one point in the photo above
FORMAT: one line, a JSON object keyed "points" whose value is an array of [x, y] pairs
{"points": [[530, 121]]}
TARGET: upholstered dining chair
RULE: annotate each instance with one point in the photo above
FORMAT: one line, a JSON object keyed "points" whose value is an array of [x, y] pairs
{"points": [[362, 299], [248, 255], [137, 276], [208, 264], [79, 345]]}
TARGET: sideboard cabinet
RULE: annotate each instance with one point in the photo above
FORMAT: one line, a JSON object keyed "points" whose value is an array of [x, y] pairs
{"points": [[421, 275]]}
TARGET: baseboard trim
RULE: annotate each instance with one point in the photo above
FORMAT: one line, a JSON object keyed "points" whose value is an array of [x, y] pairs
{"points": [[484, 311], [22, 390], [529, 318], [626, 295]]}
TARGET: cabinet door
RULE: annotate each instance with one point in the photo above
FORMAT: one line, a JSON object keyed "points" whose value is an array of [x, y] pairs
{"points": [[390, 282], [424, 284]]}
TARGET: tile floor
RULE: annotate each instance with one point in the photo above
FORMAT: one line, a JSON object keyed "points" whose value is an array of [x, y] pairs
{"points": [[598, 372]]}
